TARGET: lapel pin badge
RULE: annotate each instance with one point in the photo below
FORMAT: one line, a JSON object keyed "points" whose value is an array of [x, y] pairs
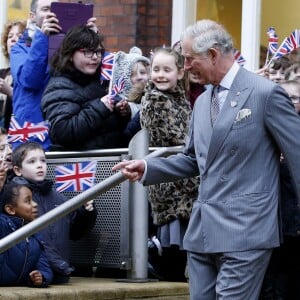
{"points": [[233, 103]]}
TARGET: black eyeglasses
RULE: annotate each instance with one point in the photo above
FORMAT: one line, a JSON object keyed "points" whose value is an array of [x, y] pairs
{"points": [[90, 53], [295, 99]]}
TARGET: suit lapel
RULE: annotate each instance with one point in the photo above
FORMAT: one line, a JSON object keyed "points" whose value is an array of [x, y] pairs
{"points": [[237, 96]]}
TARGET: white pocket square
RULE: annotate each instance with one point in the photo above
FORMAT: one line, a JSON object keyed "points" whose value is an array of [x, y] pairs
{"points": [[243, 114]]}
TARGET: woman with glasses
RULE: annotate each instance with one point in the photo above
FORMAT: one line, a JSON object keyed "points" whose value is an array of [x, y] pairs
{"points": [[79, 115]]}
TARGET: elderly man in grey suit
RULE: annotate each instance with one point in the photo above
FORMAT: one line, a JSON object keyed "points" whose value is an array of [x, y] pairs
{"points": [[239, 127]]}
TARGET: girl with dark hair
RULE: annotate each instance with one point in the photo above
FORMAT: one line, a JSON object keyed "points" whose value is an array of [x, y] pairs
{"points": [[80, 117], [26, 262]]}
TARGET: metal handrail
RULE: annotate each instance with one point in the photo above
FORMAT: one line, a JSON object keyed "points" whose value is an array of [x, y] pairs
{"points": [[138, 270]]}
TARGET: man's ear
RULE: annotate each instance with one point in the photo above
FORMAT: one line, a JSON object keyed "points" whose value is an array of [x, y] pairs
{"points": [[32, 16], [180, 74], [9, 209], [213, 53], [17, 171]]}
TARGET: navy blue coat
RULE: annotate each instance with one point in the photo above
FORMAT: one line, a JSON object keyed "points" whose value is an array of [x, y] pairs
{"points": [[57, 235], [18, 261]]}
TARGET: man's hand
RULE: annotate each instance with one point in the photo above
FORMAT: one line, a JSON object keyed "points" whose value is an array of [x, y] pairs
{"points": [[50, 24], [131, 169], [5, 88], [36, 277], [91, 23], [89, 205]]}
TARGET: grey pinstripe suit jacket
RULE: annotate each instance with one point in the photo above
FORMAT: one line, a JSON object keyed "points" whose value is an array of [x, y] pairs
{"points": [[238, 160]]}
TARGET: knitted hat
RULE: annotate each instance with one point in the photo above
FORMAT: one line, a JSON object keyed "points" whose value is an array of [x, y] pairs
{"points": [[123, 67]]}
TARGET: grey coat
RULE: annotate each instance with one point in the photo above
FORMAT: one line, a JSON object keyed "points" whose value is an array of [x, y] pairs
{"points": [[238, 160]]}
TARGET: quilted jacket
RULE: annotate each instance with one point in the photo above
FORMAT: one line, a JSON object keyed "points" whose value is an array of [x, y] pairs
{"points": [[18, 261]]}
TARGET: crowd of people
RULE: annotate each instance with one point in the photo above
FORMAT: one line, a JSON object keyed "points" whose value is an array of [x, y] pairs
{"points": [[217, 210]]}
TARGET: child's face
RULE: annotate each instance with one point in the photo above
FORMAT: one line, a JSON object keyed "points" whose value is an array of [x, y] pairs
{"points": [[276, 75], [164, 72], [25, 208], [295, 75], [87, 61], [34, 166], [139, 73], [293, 91]]}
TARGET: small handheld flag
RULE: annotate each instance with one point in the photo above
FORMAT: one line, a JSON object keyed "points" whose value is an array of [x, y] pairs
{"points": [[238, 57], [107, 65], [117, 89], [29, 130]]}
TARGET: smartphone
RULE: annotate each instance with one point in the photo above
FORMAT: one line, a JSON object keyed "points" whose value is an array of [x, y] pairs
{"points": [[69, 15]]}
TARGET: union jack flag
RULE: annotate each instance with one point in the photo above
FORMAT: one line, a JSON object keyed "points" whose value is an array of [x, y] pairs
{"points": [[75, 177], [118, 87], [16, 132], [107, 65], [285, 48], [238, 57], [273, 40], [294, 38]]}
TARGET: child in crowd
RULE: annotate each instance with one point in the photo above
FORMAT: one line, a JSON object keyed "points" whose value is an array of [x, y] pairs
{"points": [[293, 72], [292, 87], [29, 165], [165, 113], [80, 117], [277, 68], [26, 262], [133, 69]]}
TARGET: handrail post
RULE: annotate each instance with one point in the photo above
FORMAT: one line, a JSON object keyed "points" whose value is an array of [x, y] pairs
{"points": [[138, 209]]}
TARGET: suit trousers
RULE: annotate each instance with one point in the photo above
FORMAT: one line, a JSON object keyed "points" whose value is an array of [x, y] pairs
{"points": [[227, 276]]}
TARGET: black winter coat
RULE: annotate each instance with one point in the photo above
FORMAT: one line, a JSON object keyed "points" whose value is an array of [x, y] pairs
{"points": [[78, 119]]}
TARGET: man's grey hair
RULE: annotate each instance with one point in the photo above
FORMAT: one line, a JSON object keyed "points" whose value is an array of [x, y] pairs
{"points": [[208, 34]]}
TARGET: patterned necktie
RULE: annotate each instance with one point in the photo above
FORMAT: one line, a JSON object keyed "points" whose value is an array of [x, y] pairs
{"points": [[214, 106]]}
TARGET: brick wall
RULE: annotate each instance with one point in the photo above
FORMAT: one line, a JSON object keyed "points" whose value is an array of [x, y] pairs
{"points": [[126, 23]]}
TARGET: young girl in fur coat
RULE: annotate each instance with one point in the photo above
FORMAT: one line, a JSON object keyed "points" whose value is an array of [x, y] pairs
{"points": [[165, 113]]}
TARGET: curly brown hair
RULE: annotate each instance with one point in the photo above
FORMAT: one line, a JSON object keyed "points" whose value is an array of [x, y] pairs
{"points": [[7, 27]]}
